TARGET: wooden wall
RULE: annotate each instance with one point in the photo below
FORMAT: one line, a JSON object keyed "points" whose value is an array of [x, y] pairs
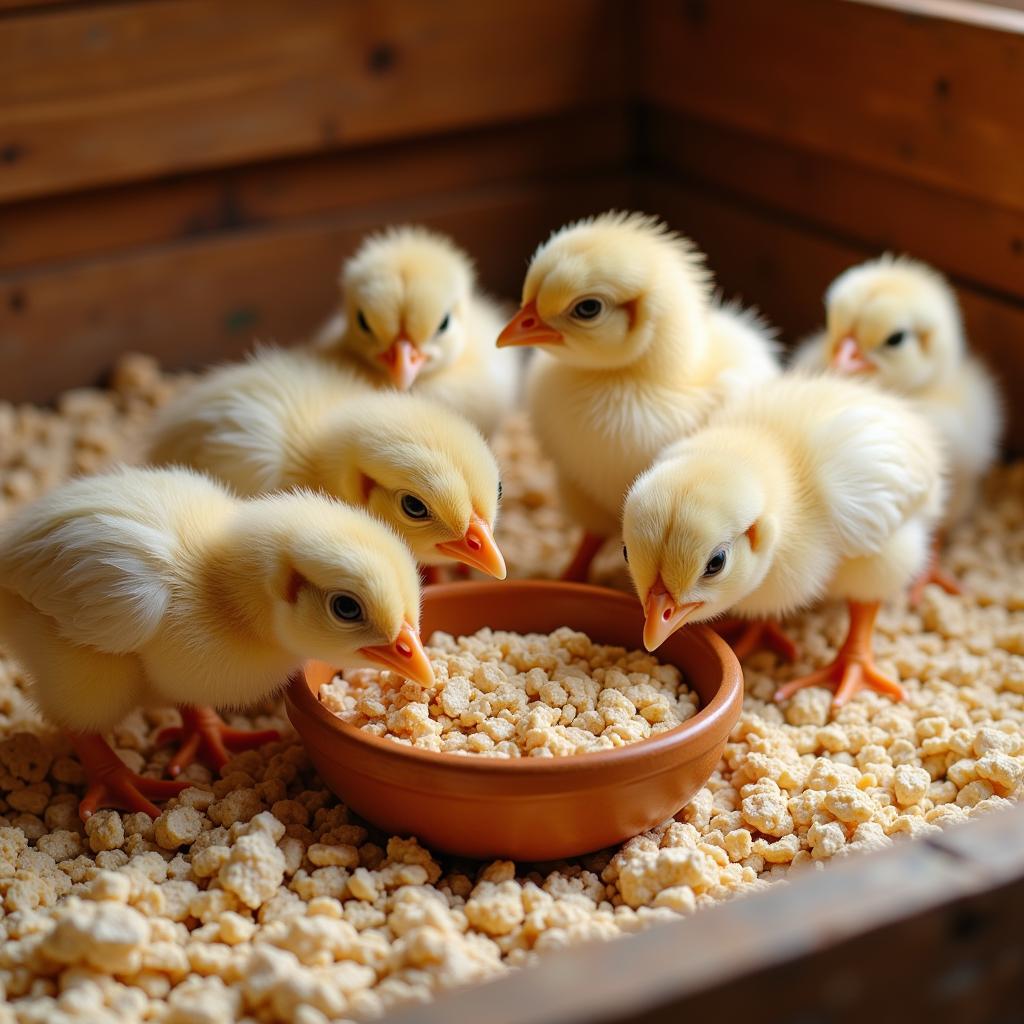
{"points": [[794, 138], [179, 177]]}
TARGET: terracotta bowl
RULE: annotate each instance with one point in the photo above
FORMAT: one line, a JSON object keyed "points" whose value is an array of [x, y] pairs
{"points": [[529, 809]]}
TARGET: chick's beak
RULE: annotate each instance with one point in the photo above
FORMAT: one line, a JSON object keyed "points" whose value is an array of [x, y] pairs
{"points": [[404, 655], [664, 615], [476, 548], [849, 358], [404, 362], [527, 328]]}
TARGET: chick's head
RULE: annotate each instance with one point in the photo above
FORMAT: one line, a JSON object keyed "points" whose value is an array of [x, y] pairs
{"points": [[698, 539], [345, 589], [596, 290], [428, 473], [407, 293], [896, 321]]}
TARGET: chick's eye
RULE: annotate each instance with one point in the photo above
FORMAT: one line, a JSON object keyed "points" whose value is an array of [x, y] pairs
{"points": [[443, 326], [896, 338], [414, 508], [716, 563], [361, 320], [500, 490], [346, 608], [587, 309], [625, 554]]}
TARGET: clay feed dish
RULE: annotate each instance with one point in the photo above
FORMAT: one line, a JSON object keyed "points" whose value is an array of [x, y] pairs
{"points": [[529, 808]]}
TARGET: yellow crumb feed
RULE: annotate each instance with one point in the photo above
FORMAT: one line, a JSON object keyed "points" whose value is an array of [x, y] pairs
{"points": [[501, 694], [257, 896]]}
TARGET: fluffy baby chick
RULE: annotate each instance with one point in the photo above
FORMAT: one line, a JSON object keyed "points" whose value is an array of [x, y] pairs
{"points": [[149, 586], [413, 318], [897, 322], [283, 420], [811, 486], [633, 356]]}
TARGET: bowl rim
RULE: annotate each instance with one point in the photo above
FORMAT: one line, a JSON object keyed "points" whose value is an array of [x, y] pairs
{"points": [[701, 727]]}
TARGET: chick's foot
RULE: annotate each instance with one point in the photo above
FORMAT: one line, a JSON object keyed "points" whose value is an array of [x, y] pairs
{"points": [[203, 734], [935, 574], [854, 666], [578, 570], [746, 636], [112, 784]]}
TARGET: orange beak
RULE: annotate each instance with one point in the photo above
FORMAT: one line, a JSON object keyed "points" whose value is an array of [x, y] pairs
{"points": [[404, 362], [664, 616], [849, 358], [527, 328], [404, 655], [477, 549]]}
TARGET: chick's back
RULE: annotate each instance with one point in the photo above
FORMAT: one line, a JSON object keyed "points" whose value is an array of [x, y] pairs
{"points": [[743, 350], [246, 424], [967, 412], [100, 556], [863, 459]]}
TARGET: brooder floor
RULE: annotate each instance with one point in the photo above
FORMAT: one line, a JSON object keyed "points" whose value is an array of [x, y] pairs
{"points": [[255, 896]]}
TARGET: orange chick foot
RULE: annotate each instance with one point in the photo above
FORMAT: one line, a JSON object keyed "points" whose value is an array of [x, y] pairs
{"points": [[937, 576], [205, 736], [849, 675], [112, 784], [578, 570], [745, 637], [854, 666]]}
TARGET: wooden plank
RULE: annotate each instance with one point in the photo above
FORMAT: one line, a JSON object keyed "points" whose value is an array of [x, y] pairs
{"points": [[83, 224], [198, 302], [932, 100], [104, 94], [8, 7], [978, 241], [784, 269], [916, 932]]}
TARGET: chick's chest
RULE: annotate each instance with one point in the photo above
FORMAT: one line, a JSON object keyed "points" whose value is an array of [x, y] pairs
{"points": [[602, 432]]}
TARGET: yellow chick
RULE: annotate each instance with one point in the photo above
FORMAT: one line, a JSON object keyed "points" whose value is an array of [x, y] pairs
{"points": [[412, 317], [897, 322], [151, 586], [813, 486], [633, 355], [283, 420]]}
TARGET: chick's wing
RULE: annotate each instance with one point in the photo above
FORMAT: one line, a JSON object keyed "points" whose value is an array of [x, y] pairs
{"points": [[879, 465], [102, 577]]}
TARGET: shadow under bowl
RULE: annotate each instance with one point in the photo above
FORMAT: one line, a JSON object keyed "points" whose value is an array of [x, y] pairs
{"points": [[530, 809]]}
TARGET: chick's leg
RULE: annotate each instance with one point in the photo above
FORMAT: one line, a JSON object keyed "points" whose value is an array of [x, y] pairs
{"points": [[598, 525], [934, 574], [745, 636], [203, 734], [854, 665], [578, 570], [111, 784]]}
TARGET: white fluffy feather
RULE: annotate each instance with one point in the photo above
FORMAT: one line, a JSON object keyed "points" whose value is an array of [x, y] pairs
{"points": [[606, 402], [841, 483], [157, 586], [408, 279], [932, 367]]}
